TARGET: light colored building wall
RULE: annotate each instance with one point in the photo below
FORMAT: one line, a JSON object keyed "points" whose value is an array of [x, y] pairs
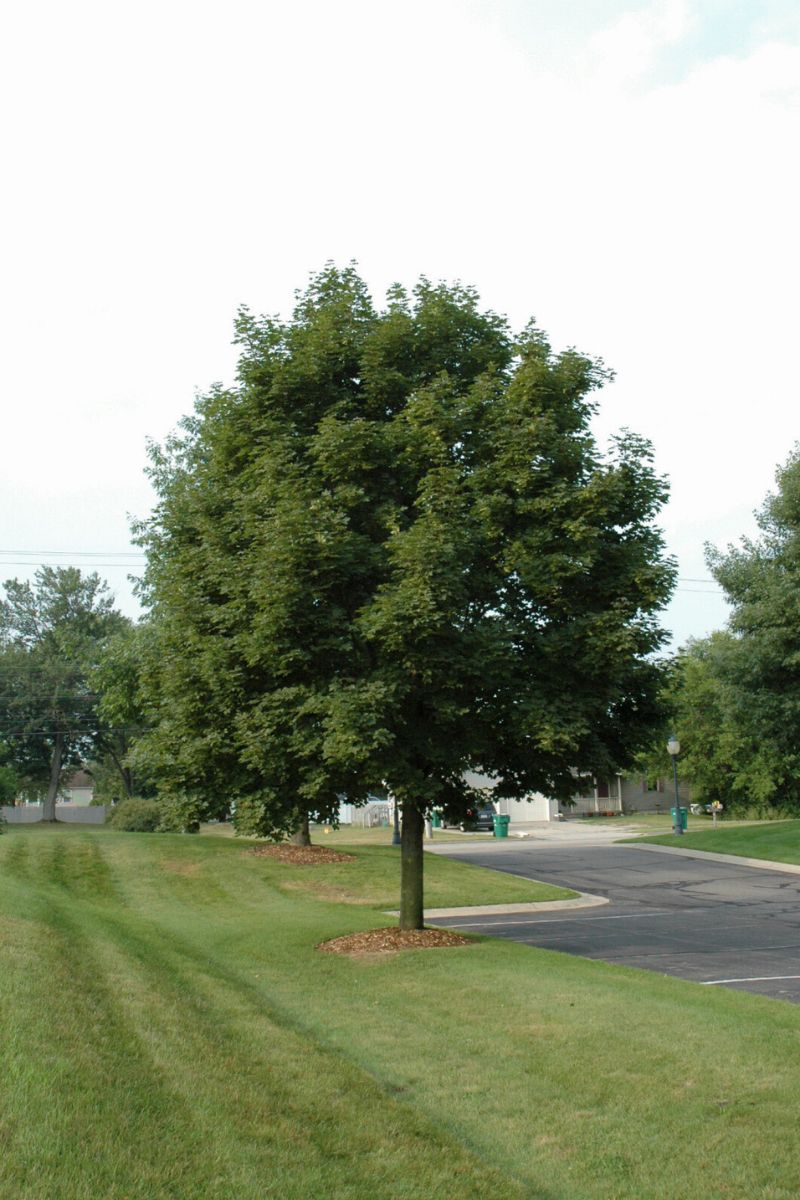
{"points": [[78, 795], [639, 796], [535, 807]]}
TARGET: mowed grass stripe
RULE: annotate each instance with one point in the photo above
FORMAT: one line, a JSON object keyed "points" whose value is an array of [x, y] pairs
{"points": [[164, 1079], [82, 1103], [309, 1102]]}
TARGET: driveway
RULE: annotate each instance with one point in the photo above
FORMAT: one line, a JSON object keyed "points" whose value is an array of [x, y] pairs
{"points": [[719, 924]]}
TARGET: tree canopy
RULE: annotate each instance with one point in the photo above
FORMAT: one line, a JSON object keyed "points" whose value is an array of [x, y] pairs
{"points": [[51, 631], [722, 755], [759, 672], [392, 553], [115, 679]]}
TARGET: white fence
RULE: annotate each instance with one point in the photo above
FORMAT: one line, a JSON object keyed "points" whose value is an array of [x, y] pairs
{"points": [[76, 814], [376, 813]]}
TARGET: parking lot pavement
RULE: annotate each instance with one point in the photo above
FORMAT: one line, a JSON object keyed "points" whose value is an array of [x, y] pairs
{"points": [[719, 924], [553, 833]]}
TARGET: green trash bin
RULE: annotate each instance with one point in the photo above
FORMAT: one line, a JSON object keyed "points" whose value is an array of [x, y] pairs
{"points": [[684, 818], [501, 825], [436, 820]]}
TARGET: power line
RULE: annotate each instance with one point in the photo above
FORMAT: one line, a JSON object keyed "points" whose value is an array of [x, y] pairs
{"points": [[128, 564], [79, 553], [136, 559], [74, 732], [139, 554]]}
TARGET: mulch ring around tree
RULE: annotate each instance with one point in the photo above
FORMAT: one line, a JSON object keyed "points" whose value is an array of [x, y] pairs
{"points": [[391, 940], [302, 856]]}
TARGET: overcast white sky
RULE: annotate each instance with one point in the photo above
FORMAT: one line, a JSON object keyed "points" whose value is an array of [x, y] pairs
{"points": [[626, 172]]}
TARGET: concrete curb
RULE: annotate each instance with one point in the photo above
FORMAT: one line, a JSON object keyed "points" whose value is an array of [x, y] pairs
{"points": [[761, 864], [582, 900]]}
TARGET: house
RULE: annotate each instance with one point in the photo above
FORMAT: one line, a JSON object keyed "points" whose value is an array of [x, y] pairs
{"points": [[613, 797], [605, 798], [74, 804], [630, 794], [78, 788]]}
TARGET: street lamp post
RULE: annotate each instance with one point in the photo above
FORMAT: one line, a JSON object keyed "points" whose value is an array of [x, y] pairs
{"points": [[673, 750]]}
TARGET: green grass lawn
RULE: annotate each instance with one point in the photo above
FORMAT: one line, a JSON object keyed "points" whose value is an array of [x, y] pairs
{"points": [[655, 823], [646, 822], [355, 835], [776, 840], [374, 882], [373, 879], [170, 1030]]}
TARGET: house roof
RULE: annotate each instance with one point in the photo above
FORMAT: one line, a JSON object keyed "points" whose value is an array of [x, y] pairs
{"points": [[79, 779]]}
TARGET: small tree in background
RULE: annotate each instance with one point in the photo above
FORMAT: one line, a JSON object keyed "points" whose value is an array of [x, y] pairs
{"points": [[760, 669], [9, 779], [50, 634], [394, 553], [733, 697], [722, 757]]}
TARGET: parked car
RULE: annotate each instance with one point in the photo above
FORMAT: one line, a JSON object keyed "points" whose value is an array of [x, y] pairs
{"points": [[478, 819]]}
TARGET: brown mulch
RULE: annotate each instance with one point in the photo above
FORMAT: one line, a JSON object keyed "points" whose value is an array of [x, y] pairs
{"points": [[302, 856], [389, 941]]}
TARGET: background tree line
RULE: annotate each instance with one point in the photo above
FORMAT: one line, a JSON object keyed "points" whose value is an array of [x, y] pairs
{"points": [[69, 688], [733, 697]]}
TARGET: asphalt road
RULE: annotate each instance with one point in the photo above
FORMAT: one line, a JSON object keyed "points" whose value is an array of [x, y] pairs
{"points": [[715, 923]]}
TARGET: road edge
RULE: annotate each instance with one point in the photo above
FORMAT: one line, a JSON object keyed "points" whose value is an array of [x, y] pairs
{"points": [[761, 864], [582, 900]]}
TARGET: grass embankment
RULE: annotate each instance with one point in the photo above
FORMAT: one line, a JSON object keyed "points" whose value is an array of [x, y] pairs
{"points": [[357, 835], [646, 822], [653, 823], [775, 840], [373, 882], [169, 1030]]}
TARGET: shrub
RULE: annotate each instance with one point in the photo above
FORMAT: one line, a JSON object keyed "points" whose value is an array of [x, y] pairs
{"points": [[179, 814], [136, 816], [9, 784]]}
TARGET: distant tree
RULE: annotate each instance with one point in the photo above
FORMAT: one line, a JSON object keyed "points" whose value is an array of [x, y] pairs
{"points": [[761, 668], [9, 779], [116, 680], [722, 757], [394, 553], [50, 632]]}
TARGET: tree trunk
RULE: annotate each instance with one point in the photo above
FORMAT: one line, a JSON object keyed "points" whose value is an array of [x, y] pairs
{"points": [[56, 762], [125, 774], [301, 835], [411, 913]]}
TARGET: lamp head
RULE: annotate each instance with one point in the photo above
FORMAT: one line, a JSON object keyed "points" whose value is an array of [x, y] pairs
{"points": [[673, 747]]}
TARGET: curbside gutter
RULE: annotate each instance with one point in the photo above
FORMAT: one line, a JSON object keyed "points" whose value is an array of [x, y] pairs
{"points": [[582, 900]]}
